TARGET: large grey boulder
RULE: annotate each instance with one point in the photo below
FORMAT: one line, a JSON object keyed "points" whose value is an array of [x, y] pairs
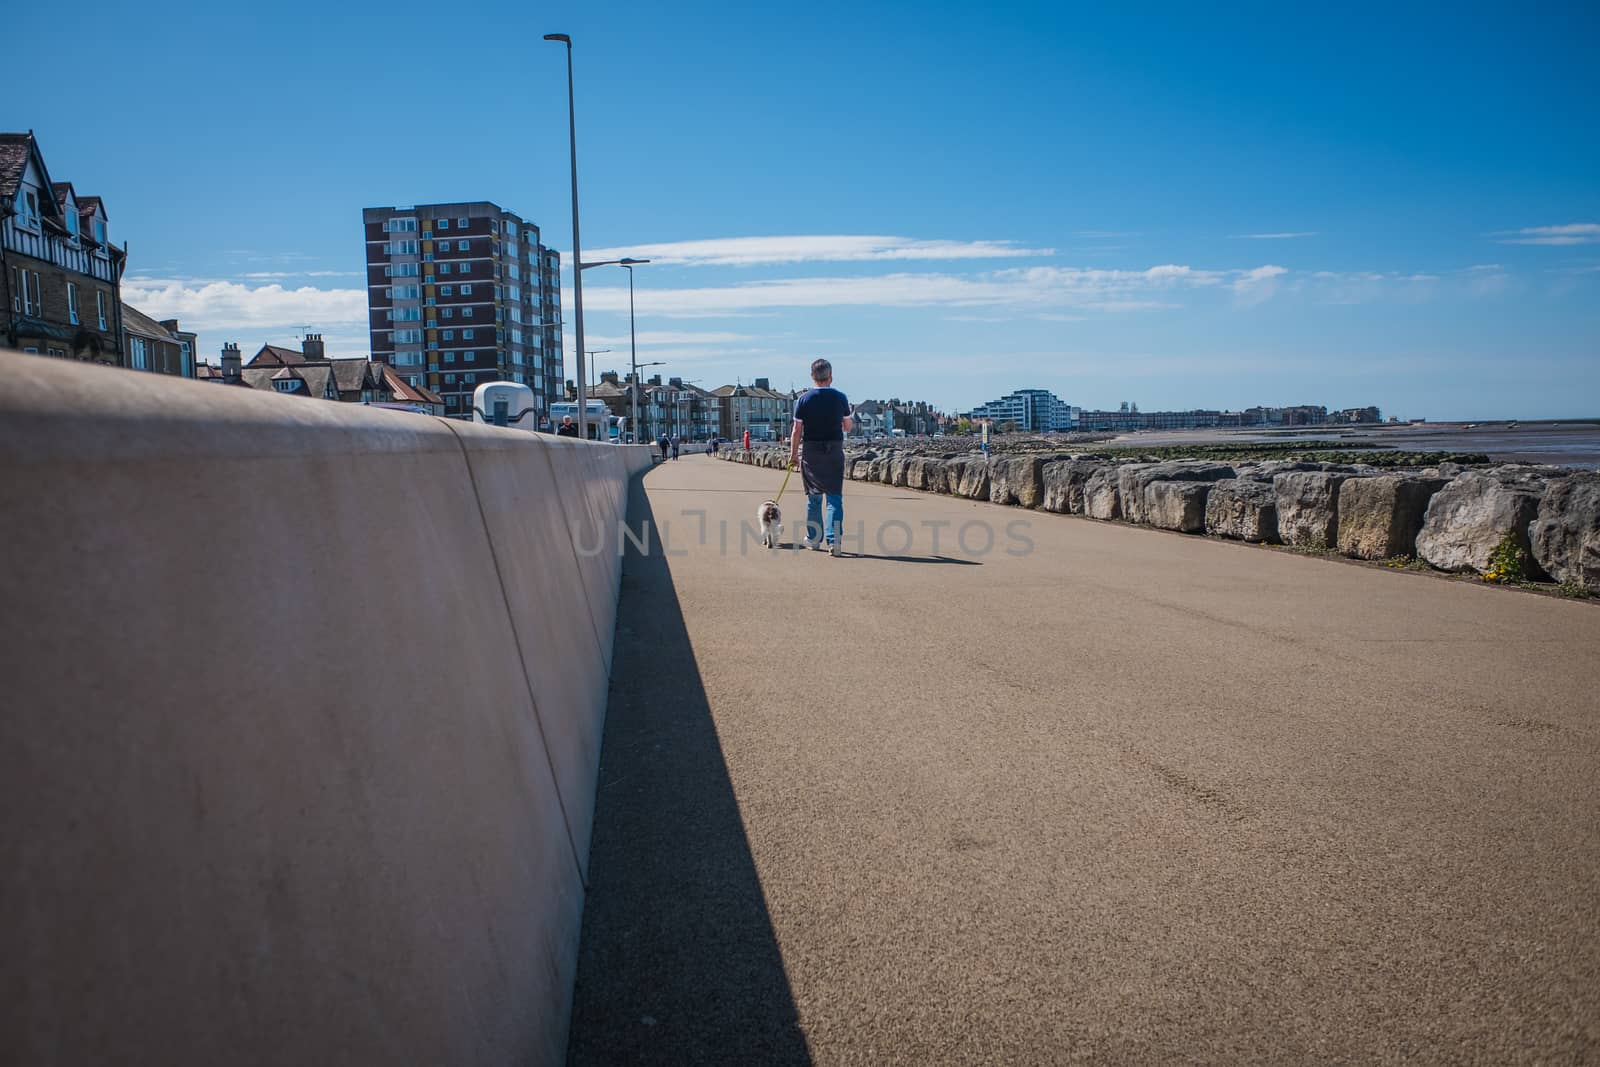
{"points": [[921, 472], [1243, 508], [897, 469], [1308, 508], [1566, 533], [1017, 480], [1064, 481], [1379, 517], [1176, 505], [1102, 497], [974, 484], [879, 464], [1469, 518], [1134, 477]]}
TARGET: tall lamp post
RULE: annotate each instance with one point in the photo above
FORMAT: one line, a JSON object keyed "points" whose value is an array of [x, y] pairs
{"points": [[633, 337], [633, 341], [577, 249]]}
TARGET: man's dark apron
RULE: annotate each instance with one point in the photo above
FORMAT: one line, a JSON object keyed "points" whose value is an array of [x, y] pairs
{"points": [[822, 467]]}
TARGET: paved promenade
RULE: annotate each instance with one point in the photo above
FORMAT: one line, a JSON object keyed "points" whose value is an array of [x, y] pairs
{"points": [[1129, 797]]}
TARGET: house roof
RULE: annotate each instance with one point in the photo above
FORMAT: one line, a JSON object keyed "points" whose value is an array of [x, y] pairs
{"points": [[88, 205], [352, 375], [15, 148], [139, 324], [62, 190], [276, 356], [403, 390]]}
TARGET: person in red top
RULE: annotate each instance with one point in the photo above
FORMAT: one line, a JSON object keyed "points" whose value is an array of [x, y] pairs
{"points": [[747, 440]]}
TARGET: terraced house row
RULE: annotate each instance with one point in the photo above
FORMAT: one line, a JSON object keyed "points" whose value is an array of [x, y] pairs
{"points": [[61, 275]]}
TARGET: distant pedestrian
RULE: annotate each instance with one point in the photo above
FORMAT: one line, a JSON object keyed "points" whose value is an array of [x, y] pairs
{"points": [[568, 428], [713, 446], [747, 440], [661, 443], [677, 443], [821, 419]]}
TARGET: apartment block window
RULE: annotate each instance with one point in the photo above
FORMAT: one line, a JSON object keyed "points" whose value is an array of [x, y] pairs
{"points": [[444, 268], [99, 305], [400, 226], [449, 313], [444, 224], [449, 357], [468, 357], [466, 313], [461, 224], [514, 272], [466, 335], [449, 335], [466, 290], [72, 303], [433, 346], [447, 290]]}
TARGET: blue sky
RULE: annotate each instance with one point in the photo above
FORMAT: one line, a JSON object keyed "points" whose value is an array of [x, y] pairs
{"points": [[1166, 206]]}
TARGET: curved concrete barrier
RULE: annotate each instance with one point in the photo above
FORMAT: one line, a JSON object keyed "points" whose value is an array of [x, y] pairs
{"points": [[301, 720]]}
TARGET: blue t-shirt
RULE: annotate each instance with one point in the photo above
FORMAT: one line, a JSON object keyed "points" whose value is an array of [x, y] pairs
{"points": [[822, 411]]}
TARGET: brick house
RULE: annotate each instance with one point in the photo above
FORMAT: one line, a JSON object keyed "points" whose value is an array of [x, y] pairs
{"points": [[159, 347], [60, 276]]}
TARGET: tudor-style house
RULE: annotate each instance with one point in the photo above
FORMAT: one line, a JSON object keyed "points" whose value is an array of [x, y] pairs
{"points": [[60, 275]]}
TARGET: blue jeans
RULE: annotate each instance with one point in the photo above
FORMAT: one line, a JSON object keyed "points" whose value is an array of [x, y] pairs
{"points": [[814, 527]]}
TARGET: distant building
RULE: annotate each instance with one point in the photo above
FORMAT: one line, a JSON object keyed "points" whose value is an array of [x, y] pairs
{"points": [[158, 347], [463, 294], [766, 412], [61, 277], [1030, 410], [308, 372]]}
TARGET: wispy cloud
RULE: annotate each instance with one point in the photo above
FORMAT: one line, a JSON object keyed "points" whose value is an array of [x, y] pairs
{"points": [[674, 337], [1271, 236], [1571, 233], [1255, 286], [837, 248], [264, 275], [1028, 288]]}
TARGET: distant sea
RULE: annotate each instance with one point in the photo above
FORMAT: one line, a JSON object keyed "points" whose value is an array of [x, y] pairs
{"points": [[1573, 443]]}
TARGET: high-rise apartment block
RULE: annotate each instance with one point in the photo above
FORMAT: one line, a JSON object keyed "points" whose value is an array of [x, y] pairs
{"points": [[463, 294]]}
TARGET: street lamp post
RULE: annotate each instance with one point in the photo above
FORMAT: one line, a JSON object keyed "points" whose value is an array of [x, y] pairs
{"points": [[633, 337], [633, 342], [577, 248]]}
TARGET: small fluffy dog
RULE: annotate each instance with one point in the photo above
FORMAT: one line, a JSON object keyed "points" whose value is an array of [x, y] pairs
{"points": [[771, 520]]}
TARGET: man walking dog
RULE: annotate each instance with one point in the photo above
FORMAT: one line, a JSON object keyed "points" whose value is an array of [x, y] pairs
{"points": [[821, 419]]}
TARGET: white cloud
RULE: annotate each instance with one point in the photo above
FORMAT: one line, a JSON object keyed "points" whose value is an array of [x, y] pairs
{"points": [[1024, 287], [203, 304], [262, 275], [1272, 236], [1255, 286], [672, 337], [836, 248], [1572, 233]]}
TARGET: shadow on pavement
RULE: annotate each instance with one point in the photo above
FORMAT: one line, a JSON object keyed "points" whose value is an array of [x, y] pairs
{"points": [[678, 961]]}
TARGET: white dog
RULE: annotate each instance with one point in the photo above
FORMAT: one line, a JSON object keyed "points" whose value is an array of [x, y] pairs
{"points": [[771, 522]]}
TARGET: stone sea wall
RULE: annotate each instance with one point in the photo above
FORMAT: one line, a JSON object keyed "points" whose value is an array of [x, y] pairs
{"points": [[1454, 518]]}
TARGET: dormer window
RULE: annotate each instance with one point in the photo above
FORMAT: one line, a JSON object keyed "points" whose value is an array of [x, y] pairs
{"points": [[72, 221], [30, 209], [100, 230]]}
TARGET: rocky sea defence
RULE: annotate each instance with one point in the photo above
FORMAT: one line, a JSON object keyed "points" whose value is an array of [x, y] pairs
{"points": [[1509, 523]]}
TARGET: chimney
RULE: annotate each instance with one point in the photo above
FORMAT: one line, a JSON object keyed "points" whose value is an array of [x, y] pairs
{"points": [[311, 347], [655, 379], [170, 325], [763, 383], [676, 383], [609, 377], [231, 362]]}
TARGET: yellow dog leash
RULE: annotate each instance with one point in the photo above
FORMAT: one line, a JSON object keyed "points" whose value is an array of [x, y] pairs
{"points": [[785, 484]]}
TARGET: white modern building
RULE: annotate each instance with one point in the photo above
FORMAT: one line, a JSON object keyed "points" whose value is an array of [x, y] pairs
{"points": [[1032, 410]]}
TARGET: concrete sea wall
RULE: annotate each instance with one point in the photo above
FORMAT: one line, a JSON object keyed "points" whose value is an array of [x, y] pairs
{"points": [[301, 723], [1453, 518]]}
